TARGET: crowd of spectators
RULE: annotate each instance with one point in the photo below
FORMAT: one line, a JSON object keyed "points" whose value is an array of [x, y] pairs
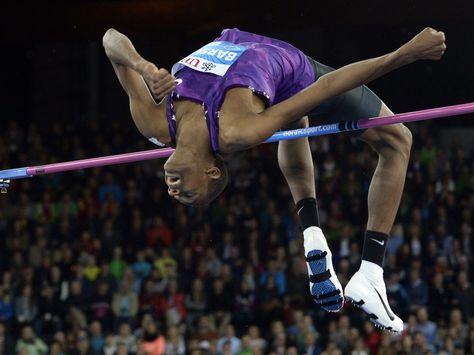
{"points": [[104, 262]]}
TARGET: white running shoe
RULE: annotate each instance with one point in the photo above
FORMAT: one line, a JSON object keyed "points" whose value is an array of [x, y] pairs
{"points": [[323, 283], [371, 296]]}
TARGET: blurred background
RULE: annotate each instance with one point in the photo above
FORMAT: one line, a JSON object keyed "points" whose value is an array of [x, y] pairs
{"points": [[56, 64], [102, 261]]}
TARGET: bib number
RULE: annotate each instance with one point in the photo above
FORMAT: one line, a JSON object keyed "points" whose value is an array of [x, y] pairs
{"points": [[215, 58]]}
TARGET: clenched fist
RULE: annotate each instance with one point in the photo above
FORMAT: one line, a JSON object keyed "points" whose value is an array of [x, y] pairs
{"points": [[160, 81], [428, 44]]}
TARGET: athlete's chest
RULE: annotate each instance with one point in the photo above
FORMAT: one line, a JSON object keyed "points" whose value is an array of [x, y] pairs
{"points": [[237, 103]]}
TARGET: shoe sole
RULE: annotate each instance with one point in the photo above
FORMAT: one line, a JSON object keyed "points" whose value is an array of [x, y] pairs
{"points": [[325, 293], [372, 317]]}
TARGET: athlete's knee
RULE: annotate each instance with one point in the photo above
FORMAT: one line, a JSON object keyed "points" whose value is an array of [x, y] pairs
{"points": [[387, 140], [303, 122], [404, 140]]}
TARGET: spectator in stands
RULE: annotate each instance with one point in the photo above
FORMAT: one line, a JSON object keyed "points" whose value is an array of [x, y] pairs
{"points": [[117, 264], [166, 264], [456, 327], [7, 345], [310, 344], [220, 304], [426, 327], [257, 343], [82, 346], [397, 294], [171, 304], [230, 339], [195, 302], [26, 308], [417, 290], [229, 263], [175, 343], [152, 341], [49, 319], [270, 302], [205, 330], [127, 338], [96, 340], [277, 275], [6, 305], [440, 296], [463, 295], [29, 343], [341, 333], [125, 304], [141, 267], [244, 306]]}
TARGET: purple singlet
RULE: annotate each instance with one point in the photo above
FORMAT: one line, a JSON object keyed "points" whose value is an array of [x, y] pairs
{"points": [[271, 68]]}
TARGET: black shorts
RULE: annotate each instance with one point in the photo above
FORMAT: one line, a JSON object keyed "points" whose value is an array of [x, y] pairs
{"points": [[352, 105]]}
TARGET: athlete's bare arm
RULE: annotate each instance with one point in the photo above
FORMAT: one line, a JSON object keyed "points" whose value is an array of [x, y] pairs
{"points": [[134, 74], [251, 130]]}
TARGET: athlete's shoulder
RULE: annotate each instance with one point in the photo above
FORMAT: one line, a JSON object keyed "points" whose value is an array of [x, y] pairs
{"points": [[235, 35], [230, 32]]}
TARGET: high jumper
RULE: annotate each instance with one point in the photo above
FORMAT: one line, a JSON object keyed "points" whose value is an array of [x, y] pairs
{"points": [[236, 92]]}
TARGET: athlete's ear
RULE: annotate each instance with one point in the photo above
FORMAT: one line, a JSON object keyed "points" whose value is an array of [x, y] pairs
{"points": [[214, 172]]}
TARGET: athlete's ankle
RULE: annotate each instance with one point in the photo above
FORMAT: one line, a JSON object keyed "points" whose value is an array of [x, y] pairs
{"points": [[371, 271], [375, 244], [313, 238], [312, 230], [307, 210]]}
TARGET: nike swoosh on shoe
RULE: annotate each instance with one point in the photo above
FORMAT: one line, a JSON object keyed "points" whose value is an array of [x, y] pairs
{"points": [[389, 314]]}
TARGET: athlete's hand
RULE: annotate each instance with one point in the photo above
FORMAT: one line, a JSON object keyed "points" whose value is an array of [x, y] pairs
{"points": [[428, 44], [160, 82]]}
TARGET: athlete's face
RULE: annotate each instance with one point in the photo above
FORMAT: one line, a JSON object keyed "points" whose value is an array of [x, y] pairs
{"points": [[187, 183]]}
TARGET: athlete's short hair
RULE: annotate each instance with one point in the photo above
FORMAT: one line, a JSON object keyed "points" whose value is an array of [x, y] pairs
{"points": [[216, 186]]}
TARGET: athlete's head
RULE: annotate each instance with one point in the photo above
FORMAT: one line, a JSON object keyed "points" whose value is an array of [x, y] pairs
{"points": [[196, 182]]}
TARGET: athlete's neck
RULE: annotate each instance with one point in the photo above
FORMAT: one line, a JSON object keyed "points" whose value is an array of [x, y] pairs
{"points": [[192, 136]]}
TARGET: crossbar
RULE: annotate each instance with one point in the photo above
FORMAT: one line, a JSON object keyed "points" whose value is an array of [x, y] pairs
{"points": [[333, 128]]}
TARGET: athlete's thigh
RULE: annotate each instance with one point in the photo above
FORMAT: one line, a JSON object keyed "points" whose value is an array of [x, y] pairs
{"points": [[356, 104], [352, 105]]}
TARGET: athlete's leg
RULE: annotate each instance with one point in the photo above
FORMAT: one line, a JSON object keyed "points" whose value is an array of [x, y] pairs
{"points": [[366, 288], [296, 164], [392, 144]]}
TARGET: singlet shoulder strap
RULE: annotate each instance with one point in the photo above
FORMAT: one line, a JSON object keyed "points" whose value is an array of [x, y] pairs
{"points": [[171, 118]]}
